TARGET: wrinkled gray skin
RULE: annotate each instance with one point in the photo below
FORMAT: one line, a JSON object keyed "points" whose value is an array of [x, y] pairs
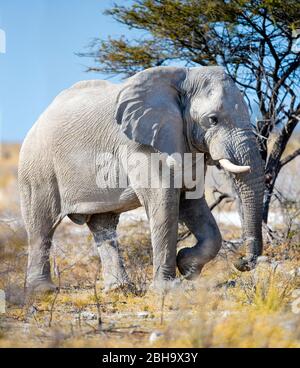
{"points": [[165, 109]]}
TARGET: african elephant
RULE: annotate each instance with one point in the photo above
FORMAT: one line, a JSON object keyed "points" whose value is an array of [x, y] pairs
{"points": [[159, 110]]}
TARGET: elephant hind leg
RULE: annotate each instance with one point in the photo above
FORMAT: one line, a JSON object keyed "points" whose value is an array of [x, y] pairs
{"points": [[38, 269], [41, 214], [103, 227]]}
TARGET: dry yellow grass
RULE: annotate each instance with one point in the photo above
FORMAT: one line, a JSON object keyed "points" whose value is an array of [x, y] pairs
{"points": [[223, 308]]}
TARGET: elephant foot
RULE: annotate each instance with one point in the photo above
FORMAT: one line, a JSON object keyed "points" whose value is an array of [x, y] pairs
{"points": [[41, 287], [165, 285], [244, 264], [120, 287], [188, 265]]}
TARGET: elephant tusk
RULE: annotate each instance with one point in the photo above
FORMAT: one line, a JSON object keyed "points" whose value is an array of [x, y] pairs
{"points": [[229, 166]]}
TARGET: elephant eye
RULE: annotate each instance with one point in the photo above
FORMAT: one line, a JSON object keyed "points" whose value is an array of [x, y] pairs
{"points": [[213, 120]]}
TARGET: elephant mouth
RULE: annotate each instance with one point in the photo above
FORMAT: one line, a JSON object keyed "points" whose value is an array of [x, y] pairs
{"points": [[225, 163]]}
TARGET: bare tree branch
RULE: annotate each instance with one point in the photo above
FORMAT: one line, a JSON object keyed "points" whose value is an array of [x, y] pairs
{"points": [[289, 158]]}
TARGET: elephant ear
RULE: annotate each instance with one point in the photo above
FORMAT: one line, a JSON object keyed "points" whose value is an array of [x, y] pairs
{"points": [[148, 109]]}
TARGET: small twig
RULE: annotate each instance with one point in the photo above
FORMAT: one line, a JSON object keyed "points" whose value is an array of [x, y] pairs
{"points": [[289, 158], [98, 304], [55, 298], [184, 236], [163, 298], [79, 319], [270, 233], [233, 245], [220, 199]]}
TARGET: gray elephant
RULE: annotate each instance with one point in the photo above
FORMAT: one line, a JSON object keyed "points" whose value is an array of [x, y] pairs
{"points": [[159, 110]]}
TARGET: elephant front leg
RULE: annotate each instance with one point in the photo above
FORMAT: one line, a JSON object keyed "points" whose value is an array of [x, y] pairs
{"points": [[196, 215], [162, 208]]}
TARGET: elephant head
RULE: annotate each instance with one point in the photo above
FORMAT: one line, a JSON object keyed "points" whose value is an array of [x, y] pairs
{"points": [[199, 110]]}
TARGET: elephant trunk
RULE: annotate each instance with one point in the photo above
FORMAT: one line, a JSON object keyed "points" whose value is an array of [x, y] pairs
{"points": [[240, 151], [250, 189]]}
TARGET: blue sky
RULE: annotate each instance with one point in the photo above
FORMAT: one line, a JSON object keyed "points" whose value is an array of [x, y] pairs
{"points": [[42, 37]]}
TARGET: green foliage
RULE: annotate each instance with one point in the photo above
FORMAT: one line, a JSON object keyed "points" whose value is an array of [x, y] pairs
{"points": [[197, 32]]}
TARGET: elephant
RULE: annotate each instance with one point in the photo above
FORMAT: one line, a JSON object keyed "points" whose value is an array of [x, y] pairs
{"points": [[163, 110]]}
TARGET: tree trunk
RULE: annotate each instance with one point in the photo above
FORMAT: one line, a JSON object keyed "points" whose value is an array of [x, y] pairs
{"points": [[273, 165]]}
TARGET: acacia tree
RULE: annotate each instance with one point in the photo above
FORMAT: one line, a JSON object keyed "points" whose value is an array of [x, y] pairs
{"points": [[254, 40]]}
